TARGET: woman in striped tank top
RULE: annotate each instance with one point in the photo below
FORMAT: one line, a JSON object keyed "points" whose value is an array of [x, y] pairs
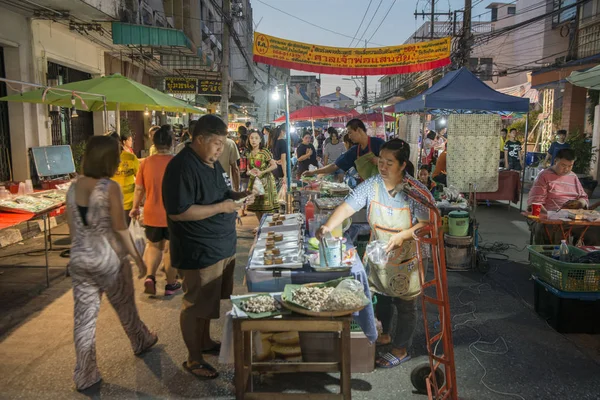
{"points": [[100, 251]]}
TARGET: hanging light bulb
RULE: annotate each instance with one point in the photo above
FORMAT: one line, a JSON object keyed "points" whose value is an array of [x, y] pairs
{"points": [[163, 111], [184, 113], [74, 113], [72, 100], [146, 111]]}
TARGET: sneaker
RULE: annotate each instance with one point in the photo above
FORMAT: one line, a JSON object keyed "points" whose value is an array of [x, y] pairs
{"points": [[150, 285], [172, 288]]}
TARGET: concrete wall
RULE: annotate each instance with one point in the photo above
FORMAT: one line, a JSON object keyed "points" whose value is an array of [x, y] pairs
{"points": [[54, 42], [15, 37], [28, 46]]}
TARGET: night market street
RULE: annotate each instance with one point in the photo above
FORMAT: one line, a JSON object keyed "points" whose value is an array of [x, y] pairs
{"points": [[36, 346]]}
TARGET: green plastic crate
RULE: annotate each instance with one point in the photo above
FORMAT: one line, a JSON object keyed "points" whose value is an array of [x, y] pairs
{"points": [[565, 276]]}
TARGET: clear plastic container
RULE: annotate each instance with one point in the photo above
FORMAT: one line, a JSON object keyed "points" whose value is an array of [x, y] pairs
{"points": [[564, 251]]}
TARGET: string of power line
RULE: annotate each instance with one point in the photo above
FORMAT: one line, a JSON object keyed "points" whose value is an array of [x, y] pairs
{"points": [[361, 22], [310, 23], [358, 42], [382, 21]]}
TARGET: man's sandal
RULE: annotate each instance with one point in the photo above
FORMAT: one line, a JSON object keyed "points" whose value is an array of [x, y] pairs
{"points": [[201, 367]]}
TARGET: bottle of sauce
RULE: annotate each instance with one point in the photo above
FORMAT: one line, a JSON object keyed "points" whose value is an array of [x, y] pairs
{"points": [[309, 211]]}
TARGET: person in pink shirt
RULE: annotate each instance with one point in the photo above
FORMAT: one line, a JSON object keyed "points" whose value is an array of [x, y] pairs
{"points": [[556, 188]]}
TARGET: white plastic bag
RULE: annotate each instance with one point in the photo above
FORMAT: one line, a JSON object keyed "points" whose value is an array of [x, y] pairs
{"points": [[376, 251], [138, 236], [257, 187], [349, 294]]}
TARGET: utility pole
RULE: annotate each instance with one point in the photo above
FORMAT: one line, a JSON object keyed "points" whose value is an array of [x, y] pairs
{"points": [[466, 40], [365, 97], [268, 92], [225, 81], [432, 23]]}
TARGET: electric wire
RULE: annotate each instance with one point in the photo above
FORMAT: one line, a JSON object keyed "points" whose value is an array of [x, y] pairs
{"points": [[361, 22], [381, 23], [310, 23], [358, 42]]}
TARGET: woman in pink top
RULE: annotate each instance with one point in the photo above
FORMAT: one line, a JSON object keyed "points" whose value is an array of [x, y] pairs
{"points": [[558, 187], [149, 182]]}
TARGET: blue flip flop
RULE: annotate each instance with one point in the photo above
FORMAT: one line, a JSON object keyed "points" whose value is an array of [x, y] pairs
{"points": [[392, 360]]}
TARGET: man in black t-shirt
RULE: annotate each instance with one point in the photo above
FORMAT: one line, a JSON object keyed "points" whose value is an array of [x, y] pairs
{"points": [[201, 210], [512, 152]]}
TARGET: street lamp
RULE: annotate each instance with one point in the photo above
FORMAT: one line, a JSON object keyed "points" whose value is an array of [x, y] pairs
{"points": [[287, 132]]}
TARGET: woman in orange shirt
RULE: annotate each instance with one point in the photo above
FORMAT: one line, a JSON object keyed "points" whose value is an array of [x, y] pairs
{"points": [[149, 182]]}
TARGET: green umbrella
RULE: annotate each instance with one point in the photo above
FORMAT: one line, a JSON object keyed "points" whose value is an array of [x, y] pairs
{"points": [[589, 79], [121, 94]]}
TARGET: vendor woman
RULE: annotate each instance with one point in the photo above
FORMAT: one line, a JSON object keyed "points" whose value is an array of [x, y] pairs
{"points": [[363, 155], [393, 220]]}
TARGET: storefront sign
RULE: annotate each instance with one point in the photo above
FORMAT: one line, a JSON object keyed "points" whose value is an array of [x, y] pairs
{"points": [[351, 61], [209, 87], [181, 85], [233, 126]]}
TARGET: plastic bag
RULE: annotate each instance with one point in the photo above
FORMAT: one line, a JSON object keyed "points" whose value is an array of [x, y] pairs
{"points": [[349, 294], [137, 235], [376, 252], [258, 188], [282, 195]]}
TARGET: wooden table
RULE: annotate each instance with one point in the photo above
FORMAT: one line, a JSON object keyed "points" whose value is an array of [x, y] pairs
{"points": [[244, 366], [565, 227]]}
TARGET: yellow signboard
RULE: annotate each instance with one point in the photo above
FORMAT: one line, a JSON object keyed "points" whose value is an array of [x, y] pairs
{"points": [[351, 61]]}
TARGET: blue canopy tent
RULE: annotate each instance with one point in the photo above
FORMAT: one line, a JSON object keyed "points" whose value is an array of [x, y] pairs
{"points": [[461, 91]]}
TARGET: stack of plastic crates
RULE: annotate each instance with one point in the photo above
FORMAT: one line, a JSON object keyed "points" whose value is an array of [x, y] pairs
{"points": [[567, 294], [564, 276]]}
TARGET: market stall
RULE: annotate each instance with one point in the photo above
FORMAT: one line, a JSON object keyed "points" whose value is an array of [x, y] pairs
{"points": [[461, 92]]}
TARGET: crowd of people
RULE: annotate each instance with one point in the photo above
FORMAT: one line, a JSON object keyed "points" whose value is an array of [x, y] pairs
{"points": [[188, 196]]}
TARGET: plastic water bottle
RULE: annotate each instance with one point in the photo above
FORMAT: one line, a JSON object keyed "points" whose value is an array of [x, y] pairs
{"points": [[564, 251], [556, 253]]}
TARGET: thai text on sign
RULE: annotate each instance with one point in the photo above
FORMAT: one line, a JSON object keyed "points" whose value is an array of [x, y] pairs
{"points": [[181, 85], [351, 61], [209, 87]]}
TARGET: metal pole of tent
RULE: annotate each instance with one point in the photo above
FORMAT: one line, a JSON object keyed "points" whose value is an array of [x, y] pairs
{"points": [[525, 156], [288, 134], [383, 121], [118, 118]]}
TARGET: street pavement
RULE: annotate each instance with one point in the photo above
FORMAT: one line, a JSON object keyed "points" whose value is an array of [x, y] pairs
{"points": [[501, 345]]}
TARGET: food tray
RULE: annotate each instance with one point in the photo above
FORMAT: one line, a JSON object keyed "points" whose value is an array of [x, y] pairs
{"points": [[237, 301], [258, 254], [314, 264], [564, 276], [328, 203], [289, 218], [326, 314], [261, 244], [287, 236], [289, 262], [290, 305]]}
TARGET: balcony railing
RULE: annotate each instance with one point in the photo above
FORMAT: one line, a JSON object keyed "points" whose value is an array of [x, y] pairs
{"points": [[588, 40]]}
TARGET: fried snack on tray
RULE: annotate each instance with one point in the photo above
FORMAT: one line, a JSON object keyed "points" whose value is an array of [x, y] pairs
{"points": [[259, 304], [341, 300], [312, 298]]}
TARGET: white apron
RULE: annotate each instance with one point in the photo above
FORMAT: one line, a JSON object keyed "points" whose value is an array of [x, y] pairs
{"points": [[399, 277]]}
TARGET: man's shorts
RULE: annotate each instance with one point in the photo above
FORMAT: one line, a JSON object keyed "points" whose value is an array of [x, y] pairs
{"points": [[157, 234]]}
